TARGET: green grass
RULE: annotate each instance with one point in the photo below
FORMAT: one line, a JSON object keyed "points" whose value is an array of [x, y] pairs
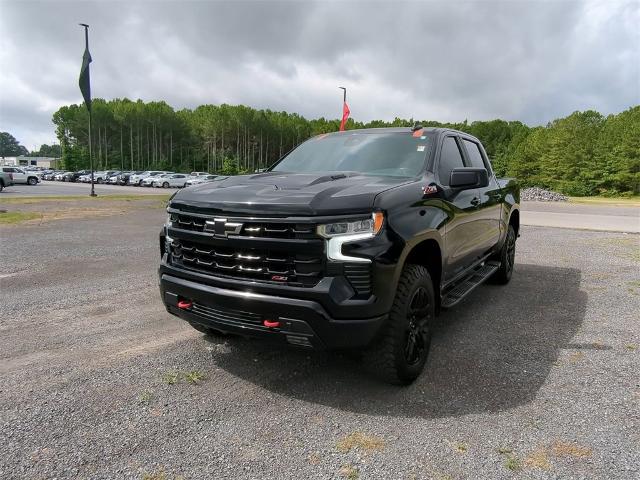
{"points": [[70, 198], [12, 218], [145, 397], [194, 376], [170, 378], [512, 463], [625, 201]]}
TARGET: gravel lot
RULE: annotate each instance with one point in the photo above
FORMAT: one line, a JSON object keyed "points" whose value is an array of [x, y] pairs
{"points": [[538, 379]]}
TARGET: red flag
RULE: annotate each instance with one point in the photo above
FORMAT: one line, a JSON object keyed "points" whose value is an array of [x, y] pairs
{"points": [[345, 116]]}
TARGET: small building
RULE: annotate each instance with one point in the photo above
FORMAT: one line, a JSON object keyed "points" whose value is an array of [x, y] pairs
{"points": [[22, 161]]}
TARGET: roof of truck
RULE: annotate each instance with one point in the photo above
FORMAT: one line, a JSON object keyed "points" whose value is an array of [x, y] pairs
{"points": [[397, 130]]}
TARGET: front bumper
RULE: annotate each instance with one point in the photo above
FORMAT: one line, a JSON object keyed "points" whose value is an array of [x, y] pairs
{"points": [[303, 322]]}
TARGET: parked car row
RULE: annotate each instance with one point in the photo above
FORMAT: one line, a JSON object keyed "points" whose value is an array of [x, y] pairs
{"points": [[148, 178]]}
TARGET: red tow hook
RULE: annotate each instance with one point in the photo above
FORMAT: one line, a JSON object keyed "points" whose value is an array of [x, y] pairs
{"points": [[271, 323], [185, 304]]}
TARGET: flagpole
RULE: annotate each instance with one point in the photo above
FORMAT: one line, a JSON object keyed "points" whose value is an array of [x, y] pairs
{"points": [[86, 44], [344, 103]]}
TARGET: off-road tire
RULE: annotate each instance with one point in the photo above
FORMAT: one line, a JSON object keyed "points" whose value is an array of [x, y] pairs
{"points": [[388, 357], [507, 258]]}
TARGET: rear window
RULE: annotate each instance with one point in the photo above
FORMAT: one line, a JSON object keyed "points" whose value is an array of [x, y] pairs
{"points": [[473, 150]]}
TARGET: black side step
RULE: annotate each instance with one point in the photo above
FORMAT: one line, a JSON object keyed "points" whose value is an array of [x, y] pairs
{"points": [[468, 285]]}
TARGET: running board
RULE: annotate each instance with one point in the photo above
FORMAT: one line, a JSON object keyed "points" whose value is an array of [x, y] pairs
{"points": [[469, 284]]}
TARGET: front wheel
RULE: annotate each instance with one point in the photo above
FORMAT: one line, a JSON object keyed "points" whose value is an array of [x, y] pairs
{"points": [[165, 185], [507, 257], [32, 180], [401, 351]]}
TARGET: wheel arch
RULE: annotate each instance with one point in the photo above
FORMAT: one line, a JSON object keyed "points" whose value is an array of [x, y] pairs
{"points": [[427, 252], [514, 220]]}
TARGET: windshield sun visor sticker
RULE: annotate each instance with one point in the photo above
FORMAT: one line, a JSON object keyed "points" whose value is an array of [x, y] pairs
{"points": [[420, 148]]}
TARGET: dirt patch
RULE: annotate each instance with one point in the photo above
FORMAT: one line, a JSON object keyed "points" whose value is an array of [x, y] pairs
{"points": [[48, 210]]}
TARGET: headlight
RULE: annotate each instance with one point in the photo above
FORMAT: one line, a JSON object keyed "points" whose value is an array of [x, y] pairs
{"points": [[339, 233], [369, 225]]}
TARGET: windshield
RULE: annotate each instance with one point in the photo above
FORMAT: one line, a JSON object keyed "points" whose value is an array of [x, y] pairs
{"points": [[388, 154]]}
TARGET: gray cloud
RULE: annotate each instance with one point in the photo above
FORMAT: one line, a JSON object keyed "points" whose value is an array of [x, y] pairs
{"points": [[524, 60]]}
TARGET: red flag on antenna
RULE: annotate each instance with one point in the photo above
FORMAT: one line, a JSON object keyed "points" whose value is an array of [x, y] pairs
{"points": [[345, 116]]}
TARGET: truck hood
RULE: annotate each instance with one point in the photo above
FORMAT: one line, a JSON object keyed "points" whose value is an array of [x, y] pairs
{"points": [[288, 194]]}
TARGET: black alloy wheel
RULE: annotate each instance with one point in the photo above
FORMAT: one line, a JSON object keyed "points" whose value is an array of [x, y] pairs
{"points": [[418, 337]]}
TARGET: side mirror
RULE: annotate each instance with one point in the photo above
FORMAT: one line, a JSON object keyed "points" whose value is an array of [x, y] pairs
{"points": [[469, 177]]}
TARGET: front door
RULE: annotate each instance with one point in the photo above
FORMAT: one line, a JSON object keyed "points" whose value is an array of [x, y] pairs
{"points": [[460, 232]]}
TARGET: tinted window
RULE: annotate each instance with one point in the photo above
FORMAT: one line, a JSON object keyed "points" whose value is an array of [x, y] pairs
{"points": [[388, 154], [474, 154], [450, 158]]}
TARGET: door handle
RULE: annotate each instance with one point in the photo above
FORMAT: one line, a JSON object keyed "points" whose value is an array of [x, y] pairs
{"points": [[475, 201]]}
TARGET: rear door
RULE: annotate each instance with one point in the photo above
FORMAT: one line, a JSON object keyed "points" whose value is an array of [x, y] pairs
{"points": [[460, 242], [18, 175], [488, 216]]}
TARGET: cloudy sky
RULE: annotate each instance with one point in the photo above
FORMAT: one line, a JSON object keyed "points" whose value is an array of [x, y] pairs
{"points": [[444, 60]]}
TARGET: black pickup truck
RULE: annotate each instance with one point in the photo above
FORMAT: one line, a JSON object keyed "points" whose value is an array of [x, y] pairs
{"points": [[353, 240]]}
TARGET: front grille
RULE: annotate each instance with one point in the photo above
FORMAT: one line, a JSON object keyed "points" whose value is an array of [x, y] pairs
{"points": [[226, 314], [250, 228], [359, 276], [281, 267]]}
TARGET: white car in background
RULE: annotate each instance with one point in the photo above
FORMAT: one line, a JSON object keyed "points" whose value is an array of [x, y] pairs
{"points": [[148, 181], [102, 177], [22, 176], [138, 178], [200, 179], [199, 174], [87, 178], [177, 180]]}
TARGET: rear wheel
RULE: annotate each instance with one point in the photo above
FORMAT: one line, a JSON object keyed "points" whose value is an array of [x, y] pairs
{"points": [[507, 257], [401, 352], [165, 185]]}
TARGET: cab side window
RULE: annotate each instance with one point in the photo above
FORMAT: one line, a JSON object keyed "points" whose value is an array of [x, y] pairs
{"points": [[450, 158], [474, 154]]}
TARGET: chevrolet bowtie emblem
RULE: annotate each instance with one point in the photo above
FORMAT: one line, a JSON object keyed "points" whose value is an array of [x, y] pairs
{"points": [[221, 228]]}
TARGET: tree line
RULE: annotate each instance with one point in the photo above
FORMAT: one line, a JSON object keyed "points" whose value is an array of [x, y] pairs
{"points": [[585, 153]]}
